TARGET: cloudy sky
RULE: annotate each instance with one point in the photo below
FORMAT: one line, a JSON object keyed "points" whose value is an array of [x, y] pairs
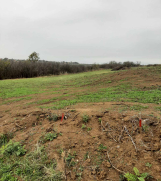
{"points": [[86, 31]]}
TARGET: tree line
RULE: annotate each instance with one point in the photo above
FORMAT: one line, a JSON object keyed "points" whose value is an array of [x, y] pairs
{"points": [[33, 67]]}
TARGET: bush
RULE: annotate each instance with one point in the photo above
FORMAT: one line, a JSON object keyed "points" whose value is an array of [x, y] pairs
{"points": [[85, 118]]}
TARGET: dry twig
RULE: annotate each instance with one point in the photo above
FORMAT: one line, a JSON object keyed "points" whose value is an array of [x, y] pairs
{"points": [[75, 116], [130, 137], [113, 165]]}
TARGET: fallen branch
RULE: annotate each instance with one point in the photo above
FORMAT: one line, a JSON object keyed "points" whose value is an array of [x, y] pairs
{"points": [[75, 116], [130, 137], [113, 165]]}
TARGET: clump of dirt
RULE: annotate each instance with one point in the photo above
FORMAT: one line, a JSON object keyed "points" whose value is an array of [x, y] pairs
{"points": [[103, 147]]}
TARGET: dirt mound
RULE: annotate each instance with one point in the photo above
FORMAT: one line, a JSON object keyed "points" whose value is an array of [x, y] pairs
{"points": [[92, 144]]}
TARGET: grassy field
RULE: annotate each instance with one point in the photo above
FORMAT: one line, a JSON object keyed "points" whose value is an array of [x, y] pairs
{"points": [[57, 92], [134, 90]]}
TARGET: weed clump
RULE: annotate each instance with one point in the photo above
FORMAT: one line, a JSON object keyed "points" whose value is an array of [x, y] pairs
{"points": [[83, 126], [101, 147], [137, 176], [53, 117], [48, 137], [4, 138], [13, 148], [85, 118]]}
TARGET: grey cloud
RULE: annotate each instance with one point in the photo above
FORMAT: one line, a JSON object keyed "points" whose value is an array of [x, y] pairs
{"points": [[87, 31]]}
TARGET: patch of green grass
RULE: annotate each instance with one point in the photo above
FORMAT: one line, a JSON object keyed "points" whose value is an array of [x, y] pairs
{"points": [[138, 107], [16, 100], [85, 87], [4, 138], [34, 166], [101, 147], [12, 148], [43, 101], [23, 87], [158, 108], [110, 94]]}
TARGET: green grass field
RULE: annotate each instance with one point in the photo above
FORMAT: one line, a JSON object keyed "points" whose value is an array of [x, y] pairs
{"points": [[57, 92]]}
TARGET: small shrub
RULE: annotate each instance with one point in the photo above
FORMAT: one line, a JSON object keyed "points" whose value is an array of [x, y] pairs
{"points": [[13, 148], [69, 160], [48, 137], [83, 126], [101, 147], [99, 120], [53, 117], [137, 176], [89, 129], [148, 165], [85, 118]]}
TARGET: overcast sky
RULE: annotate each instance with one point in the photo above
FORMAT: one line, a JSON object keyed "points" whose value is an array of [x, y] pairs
{"points": [[85, 31]]}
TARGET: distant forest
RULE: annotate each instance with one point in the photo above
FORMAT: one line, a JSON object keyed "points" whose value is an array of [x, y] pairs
{"points": [[11, 69]]}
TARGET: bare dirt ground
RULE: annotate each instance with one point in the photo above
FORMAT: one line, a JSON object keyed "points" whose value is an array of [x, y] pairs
{"points": [[111, 143]]}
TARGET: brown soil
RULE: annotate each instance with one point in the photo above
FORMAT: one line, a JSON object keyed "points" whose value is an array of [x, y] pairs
{"points": [[30, 125]]}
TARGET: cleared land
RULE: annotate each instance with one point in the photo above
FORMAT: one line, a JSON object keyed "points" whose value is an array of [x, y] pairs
{"points": [[98, 106]]}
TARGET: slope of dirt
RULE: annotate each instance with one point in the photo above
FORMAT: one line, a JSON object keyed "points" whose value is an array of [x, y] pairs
{"points": [[107, 136]]}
